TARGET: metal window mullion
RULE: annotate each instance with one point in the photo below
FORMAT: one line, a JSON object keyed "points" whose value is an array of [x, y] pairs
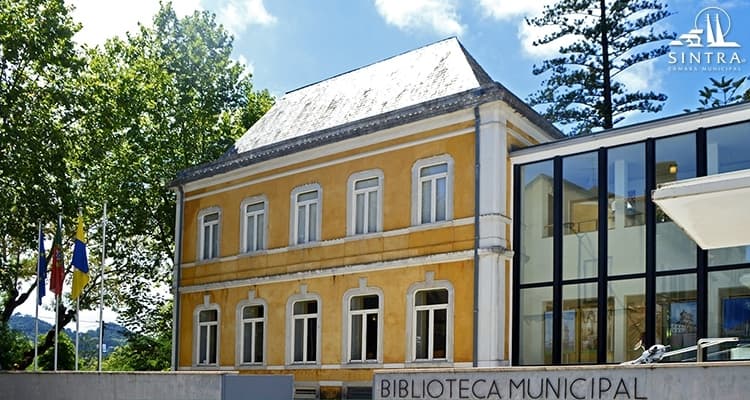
{"points": [[601, 351], [650, 244], [701, 169], [431, 333], [557, 260]]}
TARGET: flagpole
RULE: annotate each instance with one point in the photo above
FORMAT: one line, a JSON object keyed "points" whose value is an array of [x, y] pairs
{"points": [[101, 285], [38, 299], [57, 302], [78, 304]]}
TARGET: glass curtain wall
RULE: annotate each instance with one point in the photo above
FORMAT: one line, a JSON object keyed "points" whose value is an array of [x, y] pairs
{"points": [[582, 301]]}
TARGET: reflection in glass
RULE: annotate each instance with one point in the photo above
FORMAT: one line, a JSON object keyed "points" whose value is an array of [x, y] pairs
{"points": [[729, 312], [579, 324], [626, 188], [626, 313], [676, 313], [580, 216], [535, 327], [536, 222], [675, 160], [728, 149]]}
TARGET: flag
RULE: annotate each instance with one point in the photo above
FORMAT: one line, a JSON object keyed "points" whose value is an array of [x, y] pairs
{"points": [[41, 270], [80, 261], [58, 270]]}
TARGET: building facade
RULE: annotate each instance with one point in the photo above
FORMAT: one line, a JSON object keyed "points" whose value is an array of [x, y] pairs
{"points": [[600, 269], [414, 213], [363, 223]]}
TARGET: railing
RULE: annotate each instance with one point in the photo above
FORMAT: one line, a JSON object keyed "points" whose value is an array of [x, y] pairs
{"points": [[657, 352]]}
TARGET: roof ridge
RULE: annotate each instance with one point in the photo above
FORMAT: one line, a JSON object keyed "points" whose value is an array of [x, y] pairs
{"points": [[378, 62]]}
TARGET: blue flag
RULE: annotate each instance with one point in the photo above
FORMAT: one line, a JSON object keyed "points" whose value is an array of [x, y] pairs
{"points": [[41, 270]]}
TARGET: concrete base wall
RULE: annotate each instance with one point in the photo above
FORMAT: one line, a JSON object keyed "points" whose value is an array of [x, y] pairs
{"points": [[142, 386], [718, 380]]}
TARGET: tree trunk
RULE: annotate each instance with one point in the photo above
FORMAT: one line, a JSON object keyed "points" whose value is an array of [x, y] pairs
{"points": [[606, 79]]}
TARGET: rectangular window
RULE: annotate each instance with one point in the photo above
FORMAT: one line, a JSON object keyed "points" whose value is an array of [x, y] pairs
{"points": [[675, 160], [432, 192], [210, 236], [580, 198], [208, 327], [307, 217], [305, 331], [363, 328], [252, 334], [430, 324], [255, 215], [366, 205]]}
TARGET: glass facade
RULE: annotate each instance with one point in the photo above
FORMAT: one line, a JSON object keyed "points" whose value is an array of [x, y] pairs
{"points": [[603, 272]]}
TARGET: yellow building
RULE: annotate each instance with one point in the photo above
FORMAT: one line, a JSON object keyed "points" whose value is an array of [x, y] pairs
{"points": [[340, 234]]}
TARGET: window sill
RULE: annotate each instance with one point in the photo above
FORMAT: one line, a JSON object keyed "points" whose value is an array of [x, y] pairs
{"points": [[439, 363]]}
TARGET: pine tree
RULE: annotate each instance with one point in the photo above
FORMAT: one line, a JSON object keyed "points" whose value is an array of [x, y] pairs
{"points": [[582, 92], [721, 93]]}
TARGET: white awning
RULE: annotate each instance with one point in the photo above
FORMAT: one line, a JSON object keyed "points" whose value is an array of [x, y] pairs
{"points": [[713, 210]]}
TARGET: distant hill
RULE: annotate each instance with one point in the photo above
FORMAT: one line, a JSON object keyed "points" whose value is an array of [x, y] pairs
{"points": [[114, 334]]}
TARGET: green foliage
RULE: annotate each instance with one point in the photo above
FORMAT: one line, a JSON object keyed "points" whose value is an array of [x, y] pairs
{"points": [[582, 92], [110, 124], [38, 104], [721, 93], [149, 350], [66, 355], [166, 98], [12, 346]]}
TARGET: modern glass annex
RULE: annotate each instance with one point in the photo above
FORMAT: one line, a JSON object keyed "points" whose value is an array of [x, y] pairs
{"points": [[600, 270]]}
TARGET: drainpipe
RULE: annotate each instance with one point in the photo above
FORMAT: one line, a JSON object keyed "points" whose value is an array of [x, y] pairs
{"points": [[476, 237], [180, 201]]}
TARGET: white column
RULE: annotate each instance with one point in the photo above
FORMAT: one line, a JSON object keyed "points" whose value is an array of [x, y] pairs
{"points": [[493, 185], [492, 319]]}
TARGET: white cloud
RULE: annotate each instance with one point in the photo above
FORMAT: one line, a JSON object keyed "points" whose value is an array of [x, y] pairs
{"points": [[642, 76], [437, 15], [102, 20], [249, 66], [236, 15], [510, 9]]}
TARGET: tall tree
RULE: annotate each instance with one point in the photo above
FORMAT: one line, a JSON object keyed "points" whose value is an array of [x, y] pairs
{"points": [[117, 124], [582, 91], [38, 66], [722, 92], [167, 97]]}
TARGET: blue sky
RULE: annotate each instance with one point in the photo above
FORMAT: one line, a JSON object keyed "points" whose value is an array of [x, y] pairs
{"points": [[291, 43]]}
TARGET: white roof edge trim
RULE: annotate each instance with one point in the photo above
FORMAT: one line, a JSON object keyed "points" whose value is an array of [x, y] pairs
{"points": [[705, 184]]}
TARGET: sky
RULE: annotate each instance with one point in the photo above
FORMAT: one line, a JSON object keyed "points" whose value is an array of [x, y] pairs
{"points": [[287, 44]]}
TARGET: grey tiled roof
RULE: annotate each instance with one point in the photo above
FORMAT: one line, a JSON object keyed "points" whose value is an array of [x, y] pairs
{"points": [[431, 80], [427, 73]]}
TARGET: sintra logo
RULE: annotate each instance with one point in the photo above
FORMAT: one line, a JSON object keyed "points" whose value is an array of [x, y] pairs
{"points": [[705, 48]]}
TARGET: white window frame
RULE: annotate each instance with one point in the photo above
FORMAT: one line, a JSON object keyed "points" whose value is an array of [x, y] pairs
{"points": [[206, 306], [347, 314], [351, 202], [201, 236], [290, 328], [251, 301], [261, 199], [294, 215], [411, 312], [416, 188]]}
